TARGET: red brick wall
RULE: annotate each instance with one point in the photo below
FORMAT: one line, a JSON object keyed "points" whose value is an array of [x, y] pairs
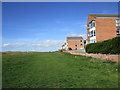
{"points": [[105, 29], [111, 57], [72, 43]]}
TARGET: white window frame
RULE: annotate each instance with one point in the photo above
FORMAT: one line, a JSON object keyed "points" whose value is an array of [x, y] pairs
{"points": [[117, 22], [118, 34]]}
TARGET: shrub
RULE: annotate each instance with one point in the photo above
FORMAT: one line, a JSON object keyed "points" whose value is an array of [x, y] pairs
{"points": [[61, 50], [111, 46], [69, 48]]}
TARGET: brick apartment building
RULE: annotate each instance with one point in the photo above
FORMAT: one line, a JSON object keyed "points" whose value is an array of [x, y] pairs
{"points": [[75, 43], [101, 27]]}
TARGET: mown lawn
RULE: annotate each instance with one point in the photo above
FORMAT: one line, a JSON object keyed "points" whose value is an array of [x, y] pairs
{"points": [[57, 70]]}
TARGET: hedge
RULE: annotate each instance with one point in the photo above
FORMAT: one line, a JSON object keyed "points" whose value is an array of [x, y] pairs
{"points": [[111, 46]]}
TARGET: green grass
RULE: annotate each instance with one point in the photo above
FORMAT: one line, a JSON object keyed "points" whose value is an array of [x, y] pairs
{"points": [[57, 70]]}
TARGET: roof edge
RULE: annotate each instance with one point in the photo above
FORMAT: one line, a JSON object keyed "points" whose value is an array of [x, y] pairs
{"points": [[104, 15]]}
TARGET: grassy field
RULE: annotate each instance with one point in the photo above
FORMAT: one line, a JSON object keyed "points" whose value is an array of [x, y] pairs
{"points": [[57, 70]]}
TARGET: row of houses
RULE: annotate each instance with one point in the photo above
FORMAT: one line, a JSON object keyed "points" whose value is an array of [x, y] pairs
{"points": [[100, 27]]}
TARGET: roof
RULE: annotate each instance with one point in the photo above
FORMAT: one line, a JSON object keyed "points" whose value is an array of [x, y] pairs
{"points": [[74, 38], [104, 15]]}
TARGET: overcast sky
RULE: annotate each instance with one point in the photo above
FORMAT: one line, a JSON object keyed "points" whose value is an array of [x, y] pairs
{"points": [[30, 26]]}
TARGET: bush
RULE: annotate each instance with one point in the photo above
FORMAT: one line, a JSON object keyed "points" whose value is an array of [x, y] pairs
{"points": [[61, 50], [111, 46], [69, 48]]}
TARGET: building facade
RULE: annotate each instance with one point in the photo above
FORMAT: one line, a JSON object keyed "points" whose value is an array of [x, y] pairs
{"points": [[75, 43], [101, 27]]}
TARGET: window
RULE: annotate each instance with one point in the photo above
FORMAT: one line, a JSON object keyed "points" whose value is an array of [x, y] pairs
{"points": [[91, 34], [88, 26], [81, 44], [118, 22], [91, 24], [76, 45], [94, 32], [80, 40], [118, 32]]}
